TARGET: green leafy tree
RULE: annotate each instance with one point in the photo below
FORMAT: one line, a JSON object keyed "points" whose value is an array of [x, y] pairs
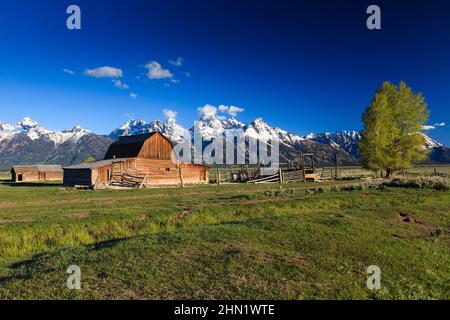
{"points": [[89, 159], [392, 139]]}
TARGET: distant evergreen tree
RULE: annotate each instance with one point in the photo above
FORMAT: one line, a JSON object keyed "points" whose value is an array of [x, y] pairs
{"points": [[392, 139]]}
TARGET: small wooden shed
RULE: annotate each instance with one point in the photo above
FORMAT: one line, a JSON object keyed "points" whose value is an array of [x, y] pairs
{"points": [[139, 160], [38, 172]]}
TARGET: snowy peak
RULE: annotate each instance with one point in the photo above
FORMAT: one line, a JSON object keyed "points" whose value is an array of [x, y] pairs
{"points": [[258, 129], [345, 141], [33, 130], [209, 127], [130, 124], [6, 126], [27, 124], [131, 127], [76, 129], [430, 143], [232, 123], [6, 130], [169, 128], [73, 135], [172, 129]]}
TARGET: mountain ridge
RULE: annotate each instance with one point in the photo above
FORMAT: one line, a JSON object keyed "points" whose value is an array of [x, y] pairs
{"points": [[29, 142]]}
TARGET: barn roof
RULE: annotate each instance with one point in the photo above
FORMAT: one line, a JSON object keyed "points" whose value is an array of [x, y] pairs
{"points": [[93, 165], [37, 168], [129, 146]]}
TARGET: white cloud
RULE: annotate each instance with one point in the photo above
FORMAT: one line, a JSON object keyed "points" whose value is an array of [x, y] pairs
{"points": [[104, 72], [207, 111], [68, 71], [170, 114], [178, 62], [231, 110], [133, 95], [121, 85], [175, 81], [223, 108], [187, 74], [433, 126], [155, 71]]}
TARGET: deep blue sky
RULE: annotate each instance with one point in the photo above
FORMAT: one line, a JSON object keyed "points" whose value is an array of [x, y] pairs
{"points": [[306, 66]]}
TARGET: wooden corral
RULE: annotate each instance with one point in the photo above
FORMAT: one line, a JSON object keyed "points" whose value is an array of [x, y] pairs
{"points": [[294, 171], [286, 176], [136, 161], [38, 172]]}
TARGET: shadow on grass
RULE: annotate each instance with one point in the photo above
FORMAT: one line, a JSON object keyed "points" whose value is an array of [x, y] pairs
{"points": [[10, 183], [25, 269]]}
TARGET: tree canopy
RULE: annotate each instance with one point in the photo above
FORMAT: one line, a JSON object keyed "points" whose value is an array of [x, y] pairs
{"points": [[89, 159], [392, 139]]}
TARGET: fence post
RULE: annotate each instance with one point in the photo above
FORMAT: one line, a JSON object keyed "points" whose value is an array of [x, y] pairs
{"points": [[280, 173], [218, 176], [336, 173], [180, 172]]}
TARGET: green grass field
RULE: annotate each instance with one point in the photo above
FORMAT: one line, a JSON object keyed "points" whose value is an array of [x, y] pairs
{"points": [[227, 242]]}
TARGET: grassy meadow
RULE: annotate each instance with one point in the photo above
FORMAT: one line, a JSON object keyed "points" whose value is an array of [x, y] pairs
{"points": [[296, 241]]}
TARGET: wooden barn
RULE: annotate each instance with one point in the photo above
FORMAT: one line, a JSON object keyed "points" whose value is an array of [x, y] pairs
{"points": [[143, 160], [38, 172]]}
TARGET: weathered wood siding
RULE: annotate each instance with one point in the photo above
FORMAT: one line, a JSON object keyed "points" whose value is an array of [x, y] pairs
{"points": [[165, 172], [30, 176], [52, 176], [156, 147], [102, 175]]}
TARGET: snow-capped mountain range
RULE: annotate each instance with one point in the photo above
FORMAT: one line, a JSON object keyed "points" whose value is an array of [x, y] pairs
{"points": [[343, 142], [212, 127], [33, 130], [29, 142]]}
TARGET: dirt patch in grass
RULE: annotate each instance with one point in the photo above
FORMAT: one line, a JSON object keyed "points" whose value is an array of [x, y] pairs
{"points": [[78, 215], [129, 294], [183, 212], [6, 221], [403, 217], [143, 217], [421, 230]]}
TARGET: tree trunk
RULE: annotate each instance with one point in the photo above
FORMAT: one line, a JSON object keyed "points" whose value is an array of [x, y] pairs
{"points": [[388, 173]]}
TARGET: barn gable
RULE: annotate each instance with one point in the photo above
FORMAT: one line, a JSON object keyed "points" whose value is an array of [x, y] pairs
{"points": [[147, 146]]}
